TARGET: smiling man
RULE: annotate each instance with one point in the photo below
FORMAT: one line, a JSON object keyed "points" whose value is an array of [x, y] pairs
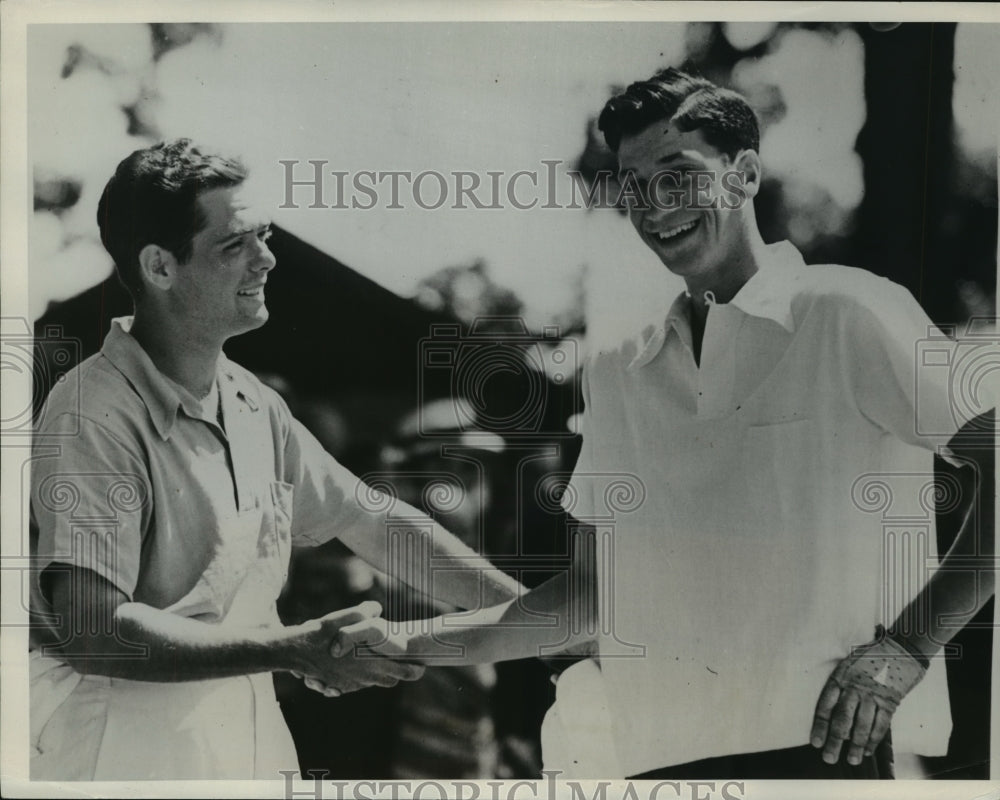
{"points": [[701, 227], [736, 603], [167, 493]]}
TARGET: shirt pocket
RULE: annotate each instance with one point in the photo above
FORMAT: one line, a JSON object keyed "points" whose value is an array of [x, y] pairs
{"points": [[282, 500], [781, 476]]}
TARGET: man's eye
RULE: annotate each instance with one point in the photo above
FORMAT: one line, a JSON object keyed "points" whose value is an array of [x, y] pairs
{"points": [[232, 247]]}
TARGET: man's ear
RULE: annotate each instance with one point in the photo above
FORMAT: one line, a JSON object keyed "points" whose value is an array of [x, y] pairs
{"points": [[747, 162], [157, 266]]}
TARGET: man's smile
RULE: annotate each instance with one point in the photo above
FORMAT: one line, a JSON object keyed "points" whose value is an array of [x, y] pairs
{"points": [[252, 291], [676, 233]]}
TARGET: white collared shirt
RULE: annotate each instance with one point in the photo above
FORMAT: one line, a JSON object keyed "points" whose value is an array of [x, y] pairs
{"points": [[771, 494]]}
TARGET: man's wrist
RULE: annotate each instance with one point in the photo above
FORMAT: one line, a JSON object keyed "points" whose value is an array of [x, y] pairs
{"points": [[293, 648], [912, 647]]}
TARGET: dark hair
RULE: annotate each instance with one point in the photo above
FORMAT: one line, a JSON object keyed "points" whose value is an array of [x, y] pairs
{"points": [[690, 102], [153, 199]]}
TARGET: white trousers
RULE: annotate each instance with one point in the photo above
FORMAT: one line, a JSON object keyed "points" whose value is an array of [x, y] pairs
{"points": [[98, 728]]}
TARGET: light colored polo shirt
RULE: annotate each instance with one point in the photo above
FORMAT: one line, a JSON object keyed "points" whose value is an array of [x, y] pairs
{"points": [[753, 549], [131, 480], [200, 519]]}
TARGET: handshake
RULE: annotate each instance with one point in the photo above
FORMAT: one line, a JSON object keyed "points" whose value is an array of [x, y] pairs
{"points": [[351, 649]]}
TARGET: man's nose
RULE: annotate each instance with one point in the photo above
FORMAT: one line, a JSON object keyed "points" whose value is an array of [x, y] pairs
{"points": [[657, 214], [665, 202], [265, 260], [658, 211]]}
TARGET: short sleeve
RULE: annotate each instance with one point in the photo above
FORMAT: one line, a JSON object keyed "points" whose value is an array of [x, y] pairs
{"points": [[90, 501], [328, 498], [903, 377]]}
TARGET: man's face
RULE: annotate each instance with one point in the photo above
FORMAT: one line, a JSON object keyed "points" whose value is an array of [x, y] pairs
{"points": [[687, 186], [220, 290]]}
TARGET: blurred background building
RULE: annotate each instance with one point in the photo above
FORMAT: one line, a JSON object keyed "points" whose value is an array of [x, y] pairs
{"points": [[880, 151]]}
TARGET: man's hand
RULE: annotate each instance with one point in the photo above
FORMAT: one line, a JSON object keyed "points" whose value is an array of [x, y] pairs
{"points": [[861, 696], [422, 641], [354, 669], [380, 638]]}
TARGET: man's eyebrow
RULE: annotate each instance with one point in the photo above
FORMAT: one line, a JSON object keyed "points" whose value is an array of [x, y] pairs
{"points": [[680, 155], [233, 235]]}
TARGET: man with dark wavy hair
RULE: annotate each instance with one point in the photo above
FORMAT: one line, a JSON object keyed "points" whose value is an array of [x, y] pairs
{"points": [[168, 489], [735, 604]]}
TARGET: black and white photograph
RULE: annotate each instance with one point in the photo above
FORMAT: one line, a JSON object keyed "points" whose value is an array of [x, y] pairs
{"points": [[498, 401]]}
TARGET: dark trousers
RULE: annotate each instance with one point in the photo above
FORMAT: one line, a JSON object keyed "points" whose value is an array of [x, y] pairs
{"points": [[798, 763]]}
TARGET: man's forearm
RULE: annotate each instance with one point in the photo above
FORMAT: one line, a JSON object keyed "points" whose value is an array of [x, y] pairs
{"points": [[543, 621], [952, 597], [149, 644], [438, 564], [559, 614], [964, 580], [463, 578]]}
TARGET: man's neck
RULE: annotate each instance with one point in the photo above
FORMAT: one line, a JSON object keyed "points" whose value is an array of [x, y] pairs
{"points": [[725, 283], [178, 354]]}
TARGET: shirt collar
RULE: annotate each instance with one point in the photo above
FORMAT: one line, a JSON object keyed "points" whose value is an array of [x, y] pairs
{"points": [[161, 396], [768, 295]]}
